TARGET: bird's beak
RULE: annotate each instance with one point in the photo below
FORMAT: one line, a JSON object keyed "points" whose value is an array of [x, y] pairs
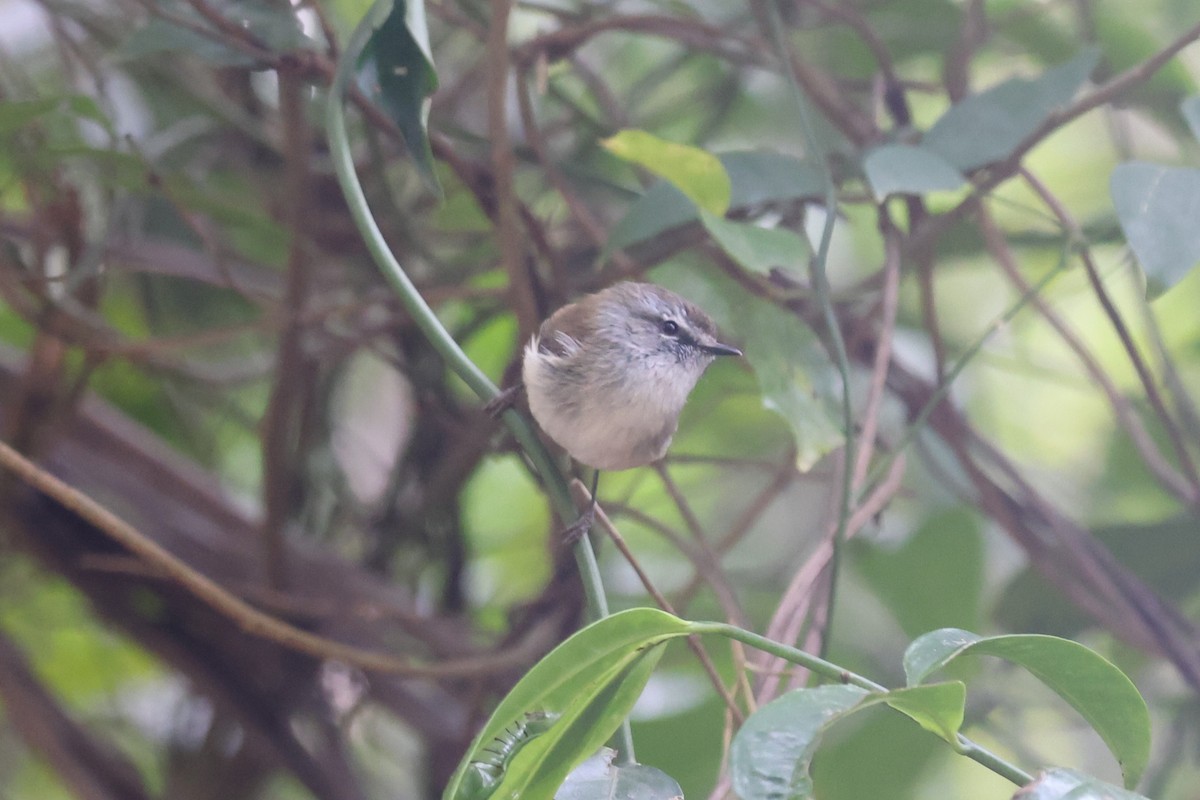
{"points": [[718, 349]]}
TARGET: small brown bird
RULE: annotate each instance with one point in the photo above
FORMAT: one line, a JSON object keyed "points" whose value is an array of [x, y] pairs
{"points": [[608, 375]]}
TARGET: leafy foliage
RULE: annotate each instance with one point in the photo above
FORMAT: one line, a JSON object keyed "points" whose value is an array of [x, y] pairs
{"points": [[1093, 686], [397, 68], [186, 306], [1157, 207]]}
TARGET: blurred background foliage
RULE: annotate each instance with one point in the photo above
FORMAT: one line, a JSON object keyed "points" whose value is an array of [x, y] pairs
{"points": [[194, 335]]}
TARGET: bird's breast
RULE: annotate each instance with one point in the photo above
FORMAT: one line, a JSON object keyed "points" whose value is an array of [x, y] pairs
{"points": [[607, 419]]}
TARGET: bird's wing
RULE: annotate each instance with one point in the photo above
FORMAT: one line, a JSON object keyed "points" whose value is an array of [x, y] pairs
{"points": [[563, 334], [560, 344]]}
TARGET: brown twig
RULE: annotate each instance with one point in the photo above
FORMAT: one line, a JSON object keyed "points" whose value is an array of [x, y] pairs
{"points": [[693, 34], [971, 33], [292, 380], [584, 499], [86, 761], [512, 253], [1132, 424], [1066, 554], [783, 478], [794, 606], [883, 350], [893, 93], [823, 91], [996, 174], [248, 618], [1149, 384], [583, 215], [724, 592]]}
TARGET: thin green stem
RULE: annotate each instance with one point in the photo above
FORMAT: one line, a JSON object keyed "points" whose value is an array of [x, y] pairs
{"points": [[833, 672], [995, 763], [794, 655], [431, 326], [820, 280], [425, 317]]}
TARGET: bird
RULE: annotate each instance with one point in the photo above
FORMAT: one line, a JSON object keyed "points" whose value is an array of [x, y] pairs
{"points": [[607, 376]]}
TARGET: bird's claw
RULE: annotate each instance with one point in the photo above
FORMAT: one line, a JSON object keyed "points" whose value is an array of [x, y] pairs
{"points": [[506, 399], [579, 528]]}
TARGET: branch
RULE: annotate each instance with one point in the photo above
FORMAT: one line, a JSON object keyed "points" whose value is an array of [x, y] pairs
{"points": [[89, 766], [248, 618]]}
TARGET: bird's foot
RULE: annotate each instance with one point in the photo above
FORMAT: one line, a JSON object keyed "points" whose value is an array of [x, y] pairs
{"points": [[579, 528], [502, 402]]}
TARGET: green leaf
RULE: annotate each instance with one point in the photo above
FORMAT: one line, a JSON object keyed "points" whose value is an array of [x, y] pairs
{"points": [[587, 685], [770, 756], [757, 249], [938, 708], [276, 26], [988, 127], [1058, 783], [1190, 108], [1158, 208], [759, 176], [898, 762], [661, 208], [161, 36], [540, 770], [396, 70], [1092, 685], [86, 107], [755, 177], [598, 777], [113, 167], [904, 169], [590, 778], [16, 114], [695, 172], [795, 376], [933, 579]]}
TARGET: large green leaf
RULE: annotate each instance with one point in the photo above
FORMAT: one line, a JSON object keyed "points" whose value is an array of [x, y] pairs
{"points": [[759, 176], [938, 708], [758, 249], [933, 579], [599, 778], [584, 687], [661, 208], [755, 176], [795, 376], [697, 173], [1092, 685], [905, 169], [770, 756], [16, 114], [1158, 208], [539, 770], [899, 760], [396, 70], [275, 25], [161, 36], [1068, 784], [988, 126]]}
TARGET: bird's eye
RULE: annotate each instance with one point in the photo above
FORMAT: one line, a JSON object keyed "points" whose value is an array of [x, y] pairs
{"points": [[669, 326]]}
